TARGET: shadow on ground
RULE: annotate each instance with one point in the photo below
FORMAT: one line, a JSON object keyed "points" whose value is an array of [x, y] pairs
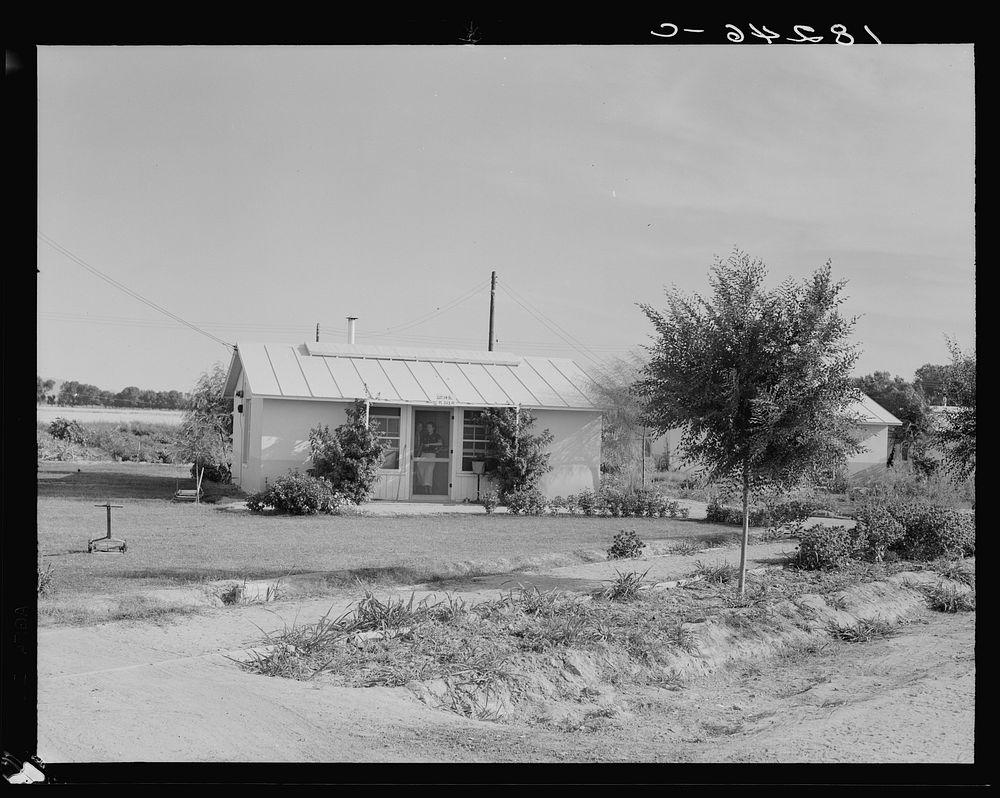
{"points": [[122, 481]]}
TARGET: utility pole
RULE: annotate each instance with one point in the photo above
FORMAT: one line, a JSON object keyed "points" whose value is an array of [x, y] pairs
{"points": [[493, 291]]}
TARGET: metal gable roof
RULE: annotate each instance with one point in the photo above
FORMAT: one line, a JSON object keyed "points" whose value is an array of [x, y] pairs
{"points": [[873, 413], [409, 376]]}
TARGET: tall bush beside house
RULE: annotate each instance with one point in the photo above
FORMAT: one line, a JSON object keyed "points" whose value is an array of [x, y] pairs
{"points": [[521, 456], [205, 437], [350, 456]]}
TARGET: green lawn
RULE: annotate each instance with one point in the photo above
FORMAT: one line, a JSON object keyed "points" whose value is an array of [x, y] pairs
{"points": [[171, 543]]}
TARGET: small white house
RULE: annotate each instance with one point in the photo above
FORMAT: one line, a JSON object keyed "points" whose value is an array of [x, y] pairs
{"points": [[426, 402], [872, 433]]}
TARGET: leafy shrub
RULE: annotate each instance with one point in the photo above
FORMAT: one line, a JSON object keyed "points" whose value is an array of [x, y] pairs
{"points": [[527, 501], [215, 472], [297, 494], [116, 441], [822, 547], [718, 513], [489, 500], [789, 529], [624, 502], [521, 457], [588, 502], [785, 510], [612, 500], [556, 504], [626, 546], [349, 457], [877, 532], [68, 430], [932, 532]]}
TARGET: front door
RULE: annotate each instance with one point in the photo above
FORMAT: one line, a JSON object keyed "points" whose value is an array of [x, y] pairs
{"points": [[431, 454]]}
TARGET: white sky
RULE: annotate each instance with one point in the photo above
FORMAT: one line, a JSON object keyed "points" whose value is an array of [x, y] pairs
{"points": [[256, 191]]}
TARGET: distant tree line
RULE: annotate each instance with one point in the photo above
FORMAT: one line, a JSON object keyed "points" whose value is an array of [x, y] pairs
{"points": [[80, 393]]}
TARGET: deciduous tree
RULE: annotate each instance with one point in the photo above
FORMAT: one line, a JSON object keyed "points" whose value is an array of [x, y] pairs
{"points": [[758, 380]]}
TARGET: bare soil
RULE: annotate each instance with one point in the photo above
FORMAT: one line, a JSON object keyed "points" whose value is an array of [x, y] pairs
{"points": [[172, 692]]}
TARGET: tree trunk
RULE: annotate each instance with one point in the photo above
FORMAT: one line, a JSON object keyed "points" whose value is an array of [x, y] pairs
{"points": [[746, 530]]}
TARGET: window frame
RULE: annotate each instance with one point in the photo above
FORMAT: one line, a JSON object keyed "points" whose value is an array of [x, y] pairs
{"points": [[488, 454], [373, 412]]}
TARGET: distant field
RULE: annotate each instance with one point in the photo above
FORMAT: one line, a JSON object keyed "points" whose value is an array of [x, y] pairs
{"points": [[47, 413]]}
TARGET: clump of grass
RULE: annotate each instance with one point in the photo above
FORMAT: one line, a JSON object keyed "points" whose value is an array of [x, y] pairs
{"points": [[392, 614], [948, 598], [721, 573], [624, 587], [452, 608], [955, 570], [686, 547], [755, 595], [864, 631]]}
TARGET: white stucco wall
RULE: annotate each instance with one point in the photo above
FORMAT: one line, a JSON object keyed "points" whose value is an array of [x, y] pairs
{"points": [[875, 439], [575, 451], [278, 440], [283, 434]]}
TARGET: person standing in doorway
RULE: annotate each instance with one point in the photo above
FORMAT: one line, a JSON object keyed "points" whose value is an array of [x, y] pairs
{"points": [[430, 447]]}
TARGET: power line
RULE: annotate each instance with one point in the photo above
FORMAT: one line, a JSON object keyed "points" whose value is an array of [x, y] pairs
{"points": [[430, 315], [542, 320], [556, 324], [293, 329], [111, 281]]}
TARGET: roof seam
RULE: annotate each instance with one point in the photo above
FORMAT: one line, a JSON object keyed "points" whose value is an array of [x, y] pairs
{"points": [[524, 385], [551, 387], [392, 385], [335, 383], [302, 371], [427, 396], [273, 370], [497, 383], [572, 384]]}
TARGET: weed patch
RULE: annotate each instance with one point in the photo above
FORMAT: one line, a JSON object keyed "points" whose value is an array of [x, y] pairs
{"points": [[948, 598], [864, 631], [720, 573], [624, 587]]}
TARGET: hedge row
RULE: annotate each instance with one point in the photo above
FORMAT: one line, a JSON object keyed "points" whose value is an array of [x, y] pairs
{"points": [[889, 529], [608, 501]]}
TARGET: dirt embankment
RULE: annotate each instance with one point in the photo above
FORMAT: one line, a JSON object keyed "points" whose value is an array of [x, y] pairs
{"points": [[775, 687]]}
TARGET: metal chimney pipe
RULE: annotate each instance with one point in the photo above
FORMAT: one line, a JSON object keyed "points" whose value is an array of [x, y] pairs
{"points": [[350, 328]]}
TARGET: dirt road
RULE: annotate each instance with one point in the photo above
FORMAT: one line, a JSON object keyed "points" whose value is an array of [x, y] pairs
{"points": [[168, 693]]}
